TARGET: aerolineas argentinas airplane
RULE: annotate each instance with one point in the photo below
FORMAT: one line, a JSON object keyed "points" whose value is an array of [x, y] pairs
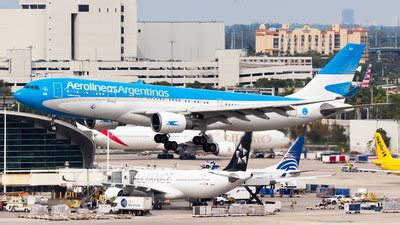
{"points": [[172, 110]]}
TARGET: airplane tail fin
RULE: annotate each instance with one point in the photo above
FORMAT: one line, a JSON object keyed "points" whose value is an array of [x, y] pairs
{"points": [[291, 160], [335, 79], [381, 150], [240, 158], [367, 77]]}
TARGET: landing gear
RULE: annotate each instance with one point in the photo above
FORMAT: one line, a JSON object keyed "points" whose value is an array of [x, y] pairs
{"points": [[187, 157], [203, 140], [199, 202], [210, 147], [199, 140], [164, 138], [165, 155], [53, 127], [161, 138]]}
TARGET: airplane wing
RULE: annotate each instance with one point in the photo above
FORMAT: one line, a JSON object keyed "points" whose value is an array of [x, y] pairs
{"points": [[142, 187], [297, 172], [380, 171], [346, 106], [236, 174], [221, 113], [286, 180]]}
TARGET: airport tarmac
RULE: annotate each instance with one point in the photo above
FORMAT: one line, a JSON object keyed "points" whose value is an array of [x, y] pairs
{"points": [[179, 213]]}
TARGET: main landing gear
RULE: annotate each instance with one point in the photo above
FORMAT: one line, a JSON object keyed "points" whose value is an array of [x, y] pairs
{"points": [[164, 138], [52, 127], [165, 155], [203, 140]]}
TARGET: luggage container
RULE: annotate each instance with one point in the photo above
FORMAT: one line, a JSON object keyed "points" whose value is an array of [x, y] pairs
{"points": [[312, 188], [361, 159], [267, 191], [325, 192], [352, 208], [342, 158], [343, 191], [286, 191], [390, 205]]}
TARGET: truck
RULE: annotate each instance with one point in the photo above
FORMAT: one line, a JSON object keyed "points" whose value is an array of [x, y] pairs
{"points": [[336, 199], [138, 206], [17, 207]]}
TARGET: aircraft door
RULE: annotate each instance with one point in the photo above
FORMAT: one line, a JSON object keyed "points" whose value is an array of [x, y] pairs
{"points": [[220, 102], [57, 90], [112, 97], [132, 175]]}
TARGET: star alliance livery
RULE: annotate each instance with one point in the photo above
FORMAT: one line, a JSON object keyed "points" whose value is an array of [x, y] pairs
{"points": [[173, 109]]}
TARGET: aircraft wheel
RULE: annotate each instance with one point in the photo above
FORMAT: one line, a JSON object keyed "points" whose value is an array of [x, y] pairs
{"points": [[157, 138], [53, 128], [173, 145], [203, 140], [161, 138], [210, 147], [196, 140]]}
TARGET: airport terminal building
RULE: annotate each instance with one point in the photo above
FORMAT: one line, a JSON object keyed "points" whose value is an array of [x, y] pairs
{"points": [[31, 145], [104, 40]]}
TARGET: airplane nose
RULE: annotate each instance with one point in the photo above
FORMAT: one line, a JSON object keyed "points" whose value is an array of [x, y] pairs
{"points": [[19, 95]]}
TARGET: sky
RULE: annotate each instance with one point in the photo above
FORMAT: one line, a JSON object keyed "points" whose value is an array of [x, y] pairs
{"points": [[378, 12]]}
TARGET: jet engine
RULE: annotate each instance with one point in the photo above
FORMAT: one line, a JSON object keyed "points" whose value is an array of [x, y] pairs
{"points": [[225, 148], [166, 122], [113, 192], [328, 109], [100, 124]]}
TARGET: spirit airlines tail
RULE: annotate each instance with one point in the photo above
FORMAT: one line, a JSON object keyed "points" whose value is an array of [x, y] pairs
{"points": [[138, 138], [385, 160], [173, 110]]}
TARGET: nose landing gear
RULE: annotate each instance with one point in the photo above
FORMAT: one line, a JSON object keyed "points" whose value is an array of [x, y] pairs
{"points": [[52, 127]]}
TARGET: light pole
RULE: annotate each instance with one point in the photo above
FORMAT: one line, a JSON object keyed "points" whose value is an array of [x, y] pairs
{"points": [[30, 52], [108, 152], [4, 140], [172, 62]]}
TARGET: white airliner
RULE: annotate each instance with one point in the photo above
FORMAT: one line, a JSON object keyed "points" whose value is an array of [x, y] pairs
{"points": [[172, 109], [139, 138], [192, 185]]}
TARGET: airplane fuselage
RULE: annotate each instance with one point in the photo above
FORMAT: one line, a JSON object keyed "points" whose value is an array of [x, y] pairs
{"points": [[138, 138], [185, 184], [130, 103]]}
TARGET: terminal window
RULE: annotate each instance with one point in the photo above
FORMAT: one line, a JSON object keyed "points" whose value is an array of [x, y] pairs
{"points": [[83, 8]]}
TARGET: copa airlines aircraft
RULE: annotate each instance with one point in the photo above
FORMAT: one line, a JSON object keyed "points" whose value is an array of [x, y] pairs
{"points": [[139, 138], [173, 110]]}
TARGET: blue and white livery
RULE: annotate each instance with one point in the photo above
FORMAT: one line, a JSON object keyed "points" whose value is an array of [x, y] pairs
{"points": [[173, 109], [291, 159]]}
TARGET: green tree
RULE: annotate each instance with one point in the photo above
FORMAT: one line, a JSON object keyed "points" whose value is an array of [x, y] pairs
{"points": [[162, 83], [4, 89], [317, 132], [384, 135]]}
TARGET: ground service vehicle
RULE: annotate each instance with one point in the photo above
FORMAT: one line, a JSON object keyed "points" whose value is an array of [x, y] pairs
{"points": [[139, 206]]}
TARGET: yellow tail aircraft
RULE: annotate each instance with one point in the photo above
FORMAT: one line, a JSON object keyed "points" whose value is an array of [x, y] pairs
{"points": [[385, 160]]}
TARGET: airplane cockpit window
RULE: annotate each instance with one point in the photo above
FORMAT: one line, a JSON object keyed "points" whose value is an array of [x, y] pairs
{"points": [[33, 87]]}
